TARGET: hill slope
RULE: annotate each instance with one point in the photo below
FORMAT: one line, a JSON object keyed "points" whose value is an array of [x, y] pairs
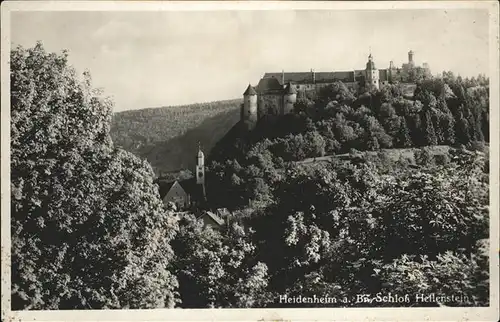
{"points": [[168, 137]]}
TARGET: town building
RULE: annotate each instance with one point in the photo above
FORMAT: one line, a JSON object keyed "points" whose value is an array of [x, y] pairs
{"points": [[276, 93], [189, 195]]}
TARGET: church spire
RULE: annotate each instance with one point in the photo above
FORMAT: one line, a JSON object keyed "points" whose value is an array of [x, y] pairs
{"points": [[200, 166]]}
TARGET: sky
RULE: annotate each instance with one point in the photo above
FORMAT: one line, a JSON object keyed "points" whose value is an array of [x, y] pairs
{"points": [[161, 58]]}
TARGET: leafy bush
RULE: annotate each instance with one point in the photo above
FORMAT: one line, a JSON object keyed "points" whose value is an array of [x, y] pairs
{"points": [[217, 268], [343, 223], [454, 279]]}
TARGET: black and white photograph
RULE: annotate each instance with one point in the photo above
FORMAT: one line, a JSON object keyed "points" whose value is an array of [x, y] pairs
{"points": [[257, 161]]}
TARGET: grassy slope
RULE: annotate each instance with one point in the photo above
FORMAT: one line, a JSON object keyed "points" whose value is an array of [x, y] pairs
{"points": [[168, 137]]}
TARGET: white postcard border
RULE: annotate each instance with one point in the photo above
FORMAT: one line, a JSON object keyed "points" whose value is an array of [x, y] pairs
{"points": [[299, 314]]}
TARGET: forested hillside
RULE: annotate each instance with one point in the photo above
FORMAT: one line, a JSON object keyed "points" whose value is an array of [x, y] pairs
{"points": [[168, 137]]}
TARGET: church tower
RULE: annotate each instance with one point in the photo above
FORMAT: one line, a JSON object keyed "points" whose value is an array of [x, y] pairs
{"points": [[200, 175], [372, 75], [200, 167]]}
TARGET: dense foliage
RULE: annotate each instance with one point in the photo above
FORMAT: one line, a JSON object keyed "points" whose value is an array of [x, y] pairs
{"points": [[88, 227], [217, 268], [347, 226], [374, 225]]}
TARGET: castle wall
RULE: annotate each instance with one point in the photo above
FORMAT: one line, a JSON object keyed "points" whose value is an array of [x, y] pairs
{"points": [[304, 86], [288, 103], [269, 104]]}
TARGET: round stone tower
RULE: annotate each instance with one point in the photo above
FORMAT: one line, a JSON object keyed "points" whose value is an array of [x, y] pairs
{"points": [[372, 75], [249, 108], [289, 99], [410, 58]]}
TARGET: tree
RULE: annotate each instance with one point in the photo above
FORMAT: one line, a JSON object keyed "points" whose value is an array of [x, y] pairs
{"points": [[303, 105], [430, 137], [426, 97], [88, 227], [412, 275], [337, 91], [315, 144], [424, 156], [403, 138], [447, 128], [376, 135], [372, 142], [462, 131], [217, 268]]}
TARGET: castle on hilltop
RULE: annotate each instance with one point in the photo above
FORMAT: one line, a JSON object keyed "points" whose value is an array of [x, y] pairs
{"points": [[276, 93]]}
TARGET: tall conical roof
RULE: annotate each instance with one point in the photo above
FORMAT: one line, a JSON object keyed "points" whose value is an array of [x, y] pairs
{"points": [[289, 89], [250, 90]]}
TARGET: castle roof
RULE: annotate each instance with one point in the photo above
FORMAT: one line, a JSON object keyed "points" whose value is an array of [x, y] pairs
{"points": [[269, 85], [300, 77], [250, 90], [307, 77], [329, 77], [290, 89]]}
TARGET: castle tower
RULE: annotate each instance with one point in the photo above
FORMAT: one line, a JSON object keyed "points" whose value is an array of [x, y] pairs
{"points": [[391, 71], [249, 108], [410, 58], [372, 75], [289, 99]]}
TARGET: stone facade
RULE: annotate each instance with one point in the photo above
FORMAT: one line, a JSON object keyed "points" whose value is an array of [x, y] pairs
{"points": [[276, 93]]}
